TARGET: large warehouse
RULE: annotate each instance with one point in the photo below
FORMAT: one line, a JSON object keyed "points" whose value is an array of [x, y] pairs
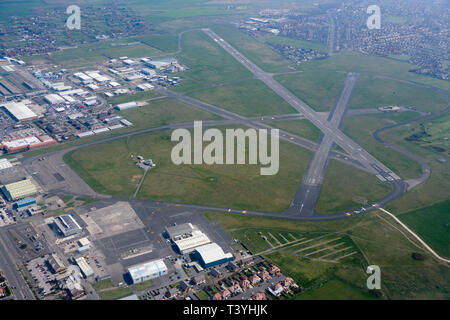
{"points": [[26, 143], [19, 111], [147, 271], [67, 226], [211, 255], [186, 237], [18, 190]]}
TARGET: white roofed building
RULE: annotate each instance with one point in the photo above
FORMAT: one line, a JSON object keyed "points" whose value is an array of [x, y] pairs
{"points": [[19, 111], [147, 271], [211, 255]]}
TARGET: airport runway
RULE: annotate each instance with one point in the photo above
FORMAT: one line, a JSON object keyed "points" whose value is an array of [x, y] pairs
{"points": [[308, 193], [351, 147]]}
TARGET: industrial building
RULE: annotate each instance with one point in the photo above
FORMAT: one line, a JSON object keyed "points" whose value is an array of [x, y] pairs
{"points": [[26, 143], [54, 99], [84, 267], [24, 204], [19, 111], [18, 190], [128, 105], [55, 263], [147, 271], [211, 255], [67, 226], [186, 237], [5, 164], [176, 232]]}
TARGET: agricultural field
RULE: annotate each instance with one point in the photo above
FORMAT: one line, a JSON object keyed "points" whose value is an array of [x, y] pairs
{"points": [[320, 90], [360, 128], [249, 98], [347, 188], [109, 169]]}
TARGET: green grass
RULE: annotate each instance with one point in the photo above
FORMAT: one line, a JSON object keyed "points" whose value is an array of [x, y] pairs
{"points": [[294, 42], [305, 272], [115, 294], [399, 57], [373, 65], [20, 8], [94, 54], [374, 92], [207, 61], [335, 289], [162, 42], [250, 98], [256, 51], [103, 284], [302, 128], [143, 285], [433, 190], [432, 224], [360, 129], [319, 90], [109, 169], [438, 130], [345, 187], [378, 241], [202, 295], [134, 97]]}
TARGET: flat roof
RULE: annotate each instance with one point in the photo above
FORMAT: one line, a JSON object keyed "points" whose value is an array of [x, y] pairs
{"points": [[19, 111], [54, 98], [5, 164], [17, 143], [178, 230], [148, 268]]}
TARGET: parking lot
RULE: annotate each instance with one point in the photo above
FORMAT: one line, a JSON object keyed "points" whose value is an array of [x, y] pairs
{"points": [[42, 275]]}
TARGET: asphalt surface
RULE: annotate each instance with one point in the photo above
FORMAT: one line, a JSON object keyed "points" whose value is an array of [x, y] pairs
{"points": [[351, 147], [8, 262], [308, 193]]}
